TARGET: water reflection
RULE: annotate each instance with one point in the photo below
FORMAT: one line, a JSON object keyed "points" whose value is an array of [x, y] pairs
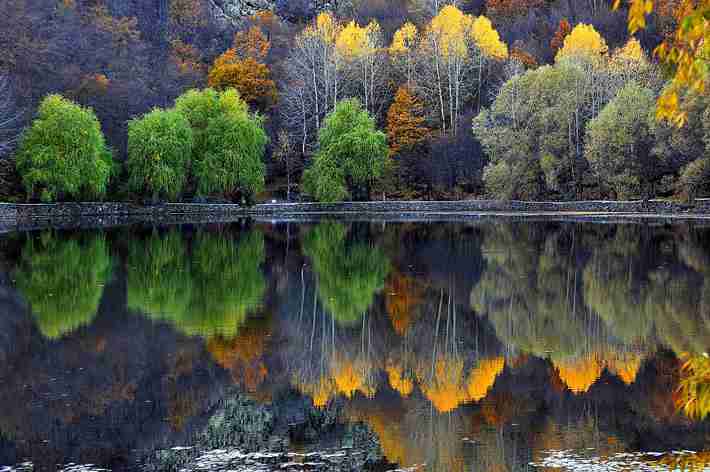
{"points": [[454, 346], [208, 290], [63, 279]]}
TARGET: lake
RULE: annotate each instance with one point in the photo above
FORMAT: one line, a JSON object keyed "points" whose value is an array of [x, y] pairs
{"points": [[491, 345]]}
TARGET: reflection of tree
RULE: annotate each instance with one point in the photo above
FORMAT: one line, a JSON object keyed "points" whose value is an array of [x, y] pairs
{"points": [[208, 294], [227, 282], [242, 355], [615, 283], [63, 280], [349, 275], [529, 290], [483, 376], [159, 282], [403, 295]]}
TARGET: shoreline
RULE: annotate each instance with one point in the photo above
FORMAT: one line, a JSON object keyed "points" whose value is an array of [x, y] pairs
{"points": [[19, 217]]}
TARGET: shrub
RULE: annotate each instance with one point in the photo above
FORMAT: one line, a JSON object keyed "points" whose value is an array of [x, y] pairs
{"points": [[63, 153], [229, 142], [159, 148]]}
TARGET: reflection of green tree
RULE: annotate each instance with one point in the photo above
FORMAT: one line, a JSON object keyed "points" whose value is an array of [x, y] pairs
{"points": [[63, 280], [207, 294], [615, 285], [349, 275], [675, 303], [159, 280], [528, 290], [228, 283]]}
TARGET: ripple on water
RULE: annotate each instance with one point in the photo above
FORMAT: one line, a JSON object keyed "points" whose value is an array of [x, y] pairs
{"points": [[573, 461]]}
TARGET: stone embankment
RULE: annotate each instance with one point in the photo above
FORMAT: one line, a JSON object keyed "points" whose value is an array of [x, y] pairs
{"points": [[78, 215]]}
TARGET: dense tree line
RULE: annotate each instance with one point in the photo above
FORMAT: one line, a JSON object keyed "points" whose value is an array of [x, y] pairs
{"points": [[562, 100]]}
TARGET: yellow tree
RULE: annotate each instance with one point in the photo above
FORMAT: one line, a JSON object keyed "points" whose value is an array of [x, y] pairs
{"points": [[402, 50], [686, 51], [359, 53], [453, 51], [584, 41]]}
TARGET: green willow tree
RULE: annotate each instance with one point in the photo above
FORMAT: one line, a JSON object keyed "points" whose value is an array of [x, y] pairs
{"points": [[63, 280], [349, 274], [63, 153], [230, 143], [351, 155], [159, 150]]}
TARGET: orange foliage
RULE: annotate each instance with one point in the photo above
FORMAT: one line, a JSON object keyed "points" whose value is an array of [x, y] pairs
{"points": [[320, 392], [403, 385], [483, 376], [405, 121], [444, 389], [525, 58], [558, 39], [242, 68], [579, 374], [241, 356], [403, 295], [350, 377], [251, 78], [511, 8]]}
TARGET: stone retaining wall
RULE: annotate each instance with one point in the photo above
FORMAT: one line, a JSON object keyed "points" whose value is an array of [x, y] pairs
{"points": [[28, 216]]}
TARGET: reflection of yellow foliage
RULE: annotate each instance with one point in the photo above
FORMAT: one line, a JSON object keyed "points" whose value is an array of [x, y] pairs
{"points": [[625, 366], [579, 374], [483, 376], [350, 377], [320, 391], [389, 430], [398, 381], [688, 462], [444, 389]]}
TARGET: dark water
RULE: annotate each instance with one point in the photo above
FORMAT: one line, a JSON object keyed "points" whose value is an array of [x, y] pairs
{"points": [[488, 346]]}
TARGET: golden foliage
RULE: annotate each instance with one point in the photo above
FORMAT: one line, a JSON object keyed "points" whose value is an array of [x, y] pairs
{"points": [[451, 30], [355, 41], [320, 391], [351, 377], [252, 79], [483, 376], [693, 395], [444, 389], [398, 381], [404, 39], [686, 51], [488, 39], [579, 373], [585, 41], [405, 121]]}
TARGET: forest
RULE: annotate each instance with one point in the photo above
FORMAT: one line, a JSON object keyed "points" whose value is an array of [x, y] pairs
{"points": [[204, 100]]}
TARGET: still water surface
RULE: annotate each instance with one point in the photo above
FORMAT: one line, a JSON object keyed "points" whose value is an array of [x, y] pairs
{"points": [[484, 346]]}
